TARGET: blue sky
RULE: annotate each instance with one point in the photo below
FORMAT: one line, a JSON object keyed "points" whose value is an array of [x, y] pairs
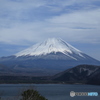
{"points": [[26, 22]]}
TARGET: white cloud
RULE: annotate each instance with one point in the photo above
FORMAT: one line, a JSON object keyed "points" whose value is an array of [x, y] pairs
{"points": [[80, 25], [82, 17]]}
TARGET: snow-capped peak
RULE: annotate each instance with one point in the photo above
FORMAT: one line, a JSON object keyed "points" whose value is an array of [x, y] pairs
{"points": [[48, 46]]}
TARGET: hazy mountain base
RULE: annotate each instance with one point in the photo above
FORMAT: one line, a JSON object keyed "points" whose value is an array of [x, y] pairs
{"points": [[44, 65], [82, 74]]}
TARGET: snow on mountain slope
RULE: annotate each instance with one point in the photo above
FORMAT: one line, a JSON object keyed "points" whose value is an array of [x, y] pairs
{"points": [[51, 45]]}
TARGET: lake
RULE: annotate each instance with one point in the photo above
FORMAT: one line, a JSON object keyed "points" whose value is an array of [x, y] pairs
{"points": [[50, 91]]}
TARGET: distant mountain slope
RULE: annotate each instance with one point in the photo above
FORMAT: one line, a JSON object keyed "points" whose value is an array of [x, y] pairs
{"points": [[88, 74], [47, 58]]}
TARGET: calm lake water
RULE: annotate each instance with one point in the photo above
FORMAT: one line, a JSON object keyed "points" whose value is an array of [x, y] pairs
{"points": [[50, 91]]}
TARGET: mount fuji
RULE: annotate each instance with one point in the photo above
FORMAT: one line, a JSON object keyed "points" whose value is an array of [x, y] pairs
{"points": [[52, 45], [46, 58]]}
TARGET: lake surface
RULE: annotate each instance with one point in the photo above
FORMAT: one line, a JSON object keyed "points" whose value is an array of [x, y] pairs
{"points": [[50, 91]]}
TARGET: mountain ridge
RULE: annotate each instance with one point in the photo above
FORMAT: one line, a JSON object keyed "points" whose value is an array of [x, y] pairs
{"points": [[84, 74]]}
